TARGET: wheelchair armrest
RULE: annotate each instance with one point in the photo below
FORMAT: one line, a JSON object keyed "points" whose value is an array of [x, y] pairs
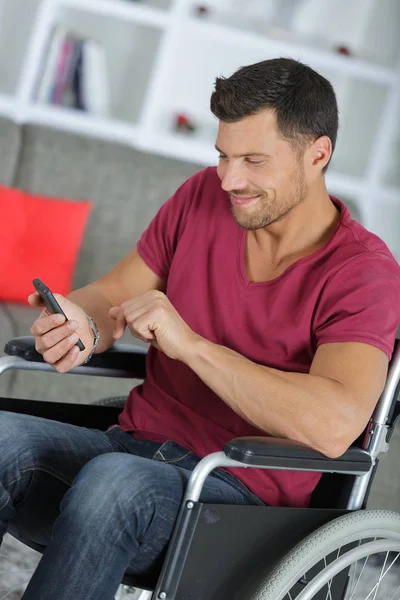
{"points": [[287, 454], [120, 357]]}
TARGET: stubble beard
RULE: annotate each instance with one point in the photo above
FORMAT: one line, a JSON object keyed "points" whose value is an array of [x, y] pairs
{"points": [[268, 210]]}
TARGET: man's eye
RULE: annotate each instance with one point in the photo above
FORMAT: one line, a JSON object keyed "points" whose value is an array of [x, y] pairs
{"points": [[254, 162], [221, 156]]}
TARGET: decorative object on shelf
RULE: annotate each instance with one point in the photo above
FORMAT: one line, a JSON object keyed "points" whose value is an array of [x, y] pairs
{"points": [[74, 74], [202, 10], [183, 124], [344, 50]]}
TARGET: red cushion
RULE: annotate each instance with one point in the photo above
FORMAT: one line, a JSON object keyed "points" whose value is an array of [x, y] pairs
{"points": [[39, 237]]}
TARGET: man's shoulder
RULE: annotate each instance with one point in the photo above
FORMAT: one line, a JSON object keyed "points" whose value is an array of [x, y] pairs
{"points": [[366, 240], [355, 245]]}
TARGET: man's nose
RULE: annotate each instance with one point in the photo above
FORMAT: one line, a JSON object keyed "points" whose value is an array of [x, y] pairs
{"points": [[233, 180]]}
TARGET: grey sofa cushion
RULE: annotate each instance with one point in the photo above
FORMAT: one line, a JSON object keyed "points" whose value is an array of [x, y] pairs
{"points": [[10, 136], [126, 186], [79, 389], [7, 331]]}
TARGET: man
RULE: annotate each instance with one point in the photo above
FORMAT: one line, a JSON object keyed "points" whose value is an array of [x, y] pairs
{"points": [[268, 311]]}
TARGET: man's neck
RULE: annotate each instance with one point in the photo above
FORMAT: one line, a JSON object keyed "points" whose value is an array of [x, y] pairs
{"points": [[302, 231]]}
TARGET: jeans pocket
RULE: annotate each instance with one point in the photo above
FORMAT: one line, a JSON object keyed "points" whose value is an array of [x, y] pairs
{"points": [[171, 452], [113, 428], [237, 484]]}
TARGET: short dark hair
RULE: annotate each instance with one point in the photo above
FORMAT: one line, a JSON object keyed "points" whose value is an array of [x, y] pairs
{"points": [[303, 100]]}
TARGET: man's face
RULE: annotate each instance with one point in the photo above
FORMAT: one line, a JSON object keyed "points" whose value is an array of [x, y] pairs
{"points": [[262, 174]]}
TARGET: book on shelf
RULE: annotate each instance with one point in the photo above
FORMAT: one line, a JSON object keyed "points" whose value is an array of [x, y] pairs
{"points": [[74, 74], [94, 86]]}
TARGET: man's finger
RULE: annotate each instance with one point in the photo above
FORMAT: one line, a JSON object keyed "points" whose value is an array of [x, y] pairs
{"points": [[117, 314], [114, 312], [67, 362], [45, 323], [120, 325], [35, 300]]}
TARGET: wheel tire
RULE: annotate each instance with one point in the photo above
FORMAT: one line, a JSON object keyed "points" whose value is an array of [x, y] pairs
{"points": [[323, 541]]}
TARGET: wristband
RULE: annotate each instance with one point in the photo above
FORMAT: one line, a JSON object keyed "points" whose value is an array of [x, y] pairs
{"points": [[96, 338]]}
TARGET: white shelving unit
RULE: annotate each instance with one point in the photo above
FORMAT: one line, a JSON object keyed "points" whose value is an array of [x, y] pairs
{"points": [[163, 57]]}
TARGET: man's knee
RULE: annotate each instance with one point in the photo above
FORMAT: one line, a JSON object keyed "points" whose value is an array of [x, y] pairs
{"points": [[16, 438], [122, 489], [11, 425], [121, 477]]}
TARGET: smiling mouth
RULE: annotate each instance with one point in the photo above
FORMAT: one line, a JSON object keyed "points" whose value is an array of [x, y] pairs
{"points": [[242, 200]]}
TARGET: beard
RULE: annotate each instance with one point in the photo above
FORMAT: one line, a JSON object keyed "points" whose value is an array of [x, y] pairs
{"points": [[267, 210]]}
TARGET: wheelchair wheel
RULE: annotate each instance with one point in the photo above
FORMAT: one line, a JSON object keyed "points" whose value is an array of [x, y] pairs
{"points": [[354, 557]]}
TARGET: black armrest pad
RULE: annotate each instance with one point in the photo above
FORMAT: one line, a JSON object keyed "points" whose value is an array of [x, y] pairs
{"points": [[283, 453], [124, 357]]}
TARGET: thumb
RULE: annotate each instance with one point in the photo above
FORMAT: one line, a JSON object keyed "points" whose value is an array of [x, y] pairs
{"points": [[35, 300], [118, 314], [114, 312]]}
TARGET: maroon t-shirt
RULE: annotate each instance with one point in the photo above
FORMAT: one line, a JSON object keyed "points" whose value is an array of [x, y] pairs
{"points": [[347, 291]]}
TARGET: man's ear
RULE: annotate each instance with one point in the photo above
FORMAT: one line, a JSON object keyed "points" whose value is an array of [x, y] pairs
{"points": [[320, 152]]}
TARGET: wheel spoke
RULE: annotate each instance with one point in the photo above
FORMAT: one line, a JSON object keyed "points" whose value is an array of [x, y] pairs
{"points": [[329, 584], [359, 577], [376, 586], [394, 595], [380, 577]]}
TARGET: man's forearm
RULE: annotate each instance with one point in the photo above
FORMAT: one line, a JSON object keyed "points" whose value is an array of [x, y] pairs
{"points": [[97, 305], [291, 405]]}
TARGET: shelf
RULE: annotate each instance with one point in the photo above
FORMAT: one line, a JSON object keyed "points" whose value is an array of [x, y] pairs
{"points": [[188, 90], [181, 147], [384, 221], [392, 174], [360, 112], [271, 47], [82, 124], [15, 15], [8, 107], [390, 194], [132, 12], [314, 29], [126, 43], [162, 60]]}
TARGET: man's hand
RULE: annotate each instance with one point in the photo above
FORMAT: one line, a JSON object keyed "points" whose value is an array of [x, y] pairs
{"points": [[56, 340], [152, 318]]}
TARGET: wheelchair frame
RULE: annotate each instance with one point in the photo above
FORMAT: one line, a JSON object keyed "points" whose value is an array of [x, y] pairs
{"points": [[194, 518]]}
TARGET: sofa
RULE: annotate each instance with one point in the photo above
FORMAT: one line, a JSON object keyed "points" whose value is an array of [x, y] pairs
{"points": [[127, 188]]}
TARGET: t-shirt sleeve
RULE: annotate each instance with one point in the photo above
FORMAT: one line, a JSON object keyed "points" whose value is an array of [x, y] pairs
{"points": [[158, 243], [361, 303]]}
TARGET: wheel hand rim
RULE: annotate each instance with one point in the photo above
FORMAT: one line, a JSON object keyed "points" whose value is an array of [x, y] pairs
{"points": [[343, 562]]}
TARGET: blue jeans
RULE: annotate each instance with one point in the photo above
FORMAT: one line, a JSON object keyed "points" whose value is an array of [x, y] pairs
{"points": [[96, 503]]}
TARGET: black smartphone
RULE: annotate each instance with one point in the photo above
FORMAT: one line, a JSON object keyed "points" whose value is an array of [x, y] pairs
{"points": [[51, 303]]}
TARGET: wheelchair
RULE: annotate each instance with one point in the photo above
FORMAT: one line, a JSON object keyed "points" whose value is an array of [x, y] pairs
{"points": [[224, 552]]}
